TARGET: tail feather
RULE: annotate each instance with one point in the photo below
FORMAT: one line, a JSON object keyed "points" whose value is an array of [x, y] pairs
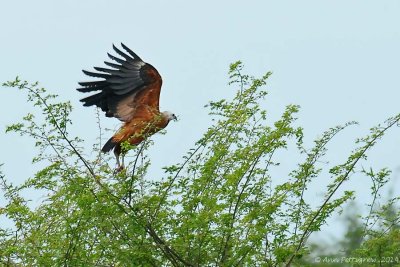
{"points": [[109, 145]]}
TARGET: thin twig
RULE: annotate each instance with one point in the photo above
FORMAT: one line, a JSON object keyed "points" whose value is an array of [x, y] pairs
{"points": [[307, 232], [62, 132]]}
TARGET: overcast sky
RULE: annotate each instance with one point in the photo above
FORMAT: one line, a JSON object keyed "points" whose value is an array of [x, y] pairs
{"points": [[339, 60]]}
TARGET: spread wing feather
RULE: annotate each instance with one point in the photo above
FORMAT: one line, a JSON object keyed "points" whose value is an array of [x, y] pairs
{"points": [[121, 53], [130, 51], [126, 86]]}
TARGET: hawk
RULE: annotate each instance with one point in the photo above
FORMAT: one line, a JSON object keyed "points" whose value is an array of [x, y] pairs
{"points": [[129, 91]]}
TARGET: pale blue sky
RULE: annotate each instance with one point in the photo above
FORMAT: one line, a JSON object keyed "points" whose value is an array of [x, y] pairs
{"points": [[339, 60]]}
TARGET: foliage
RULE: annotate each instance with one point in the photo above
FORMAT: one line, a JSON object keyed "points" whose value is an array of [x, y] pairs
{"points": [[220, 206], [382, 236], [375, 245]]}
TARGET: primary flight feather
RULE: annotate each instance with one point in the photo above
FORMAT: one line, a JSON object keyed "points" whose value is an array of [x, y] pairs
{"points": [[130, 92]]}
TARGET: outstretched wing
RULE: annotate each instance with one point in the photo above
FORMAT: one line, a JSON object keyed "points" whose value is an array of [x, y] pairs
{"points": [[125, 87]]}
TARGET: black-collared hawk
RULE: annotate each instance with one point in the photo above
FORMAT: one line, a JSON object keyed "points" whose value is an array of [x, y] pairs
{"points": [[130, 92]]}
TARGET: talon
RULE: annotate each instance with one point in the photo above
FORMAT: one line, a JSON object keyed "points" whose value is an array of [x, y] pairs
{"points": [[119, 169]]}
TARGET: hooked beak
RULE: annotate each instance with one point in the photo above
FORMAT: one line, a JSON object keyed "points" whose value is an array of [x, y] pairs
{"points": [[174, 118]]}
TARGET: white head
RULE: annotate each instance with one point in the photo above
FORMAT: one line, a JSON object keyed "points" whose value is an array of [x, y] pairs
{"points": [[169, 115]]}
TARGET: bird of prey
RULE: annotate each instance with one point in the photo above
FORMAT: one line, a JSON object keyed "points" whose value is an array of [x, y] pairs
{"points": [[130, 92]]}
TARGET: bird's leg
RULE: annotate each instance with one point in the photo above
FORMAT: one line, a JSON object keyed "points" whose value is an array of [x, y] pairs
{"points": [[123, 163], [117, 158], [117, 153]]}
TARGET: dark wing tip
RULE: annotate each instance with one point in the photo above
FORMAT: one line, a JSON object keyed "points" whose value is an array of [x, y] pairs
{"points": [[115, 66], [133, 54], [84, 90], [120, 61], [114, 47], [94, 74], [119, 52]]}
